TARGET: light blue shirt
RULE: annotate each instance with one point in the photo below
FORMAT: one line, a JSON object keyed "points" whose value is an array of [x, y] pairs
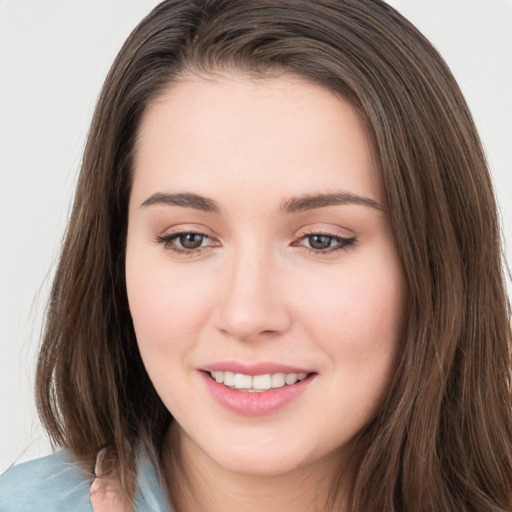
{"points": [[55, 484]]}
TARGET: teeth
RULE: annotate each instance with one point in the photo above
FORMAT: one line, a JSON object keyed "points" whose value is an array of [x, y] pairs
{"points": [[243, 381], [278, 380], [291, 378], [262, 381], [257, 383], [229, 378]]}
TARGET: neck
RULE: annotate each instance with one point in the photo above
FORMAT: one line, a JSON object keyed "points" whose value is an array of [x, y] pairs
{"points": [[196, 482]]}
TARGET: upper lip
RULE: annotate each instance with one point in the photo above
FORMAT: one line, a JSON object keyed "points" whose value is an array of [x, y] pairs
{"points": [[253, 368]]}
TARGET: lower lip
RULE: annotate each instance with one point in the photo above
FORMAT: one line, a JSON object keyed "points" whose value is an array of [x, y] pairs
{"points": [[257, 403]]}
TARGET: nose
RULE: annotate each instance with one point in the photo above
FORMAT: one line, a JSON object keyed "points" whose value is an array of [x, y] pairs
{"points": [[252, 301]]}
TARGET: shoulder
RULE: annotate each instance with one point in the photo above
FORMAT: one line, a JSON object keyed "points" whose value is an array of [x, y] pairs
{"points": [[52, 483]]}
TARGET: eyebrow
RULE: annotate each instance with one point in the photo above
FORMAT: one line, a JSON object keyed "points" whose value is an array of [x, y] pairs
{"points": [[186, 200], [312, 202], [292, 205]]}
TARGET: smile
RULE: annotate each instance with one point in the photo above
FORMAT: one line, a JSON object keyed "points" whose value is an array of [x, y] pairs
{"points": [[255, 395], [256, 383]]}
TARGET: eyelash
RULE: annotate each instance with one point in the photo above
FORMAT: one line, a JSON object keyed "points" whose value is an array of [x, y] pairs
{"points": [[167, 242], [343, 243]]}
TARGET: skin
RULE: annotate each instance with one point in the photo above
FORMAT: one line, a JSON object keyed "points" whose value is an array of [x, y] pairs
{"points": [[255, 290], [106, 493]]}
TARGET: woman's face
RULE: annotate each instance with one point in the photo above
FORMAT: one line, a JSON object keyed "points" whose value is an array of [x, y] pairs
{"points": [[259, 254]]}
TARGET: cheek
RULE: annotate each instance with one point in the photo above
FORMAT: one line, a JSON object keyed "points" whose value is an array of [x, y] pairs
{"points": [[165, 307], [357, 321], [168, 314], [358, 325], [358, 311]]}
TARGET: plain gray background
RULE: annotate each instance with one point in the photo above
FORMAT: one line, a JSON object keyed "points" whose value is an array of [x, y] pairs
{"points": [[54, 56]]}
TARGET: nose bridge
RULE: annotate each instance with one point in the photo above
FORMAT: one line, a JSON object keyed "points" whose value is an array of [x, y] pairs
{"points": [[251, 303]]}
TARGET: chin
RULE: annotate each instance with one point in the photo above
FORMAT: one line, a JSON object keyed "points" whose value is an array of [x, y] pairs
{"points": [[260, 464]]}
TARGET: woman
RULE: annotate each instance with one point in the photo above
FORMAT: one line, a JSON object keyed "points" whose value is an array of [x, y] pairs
{"points": [[281, 284]]}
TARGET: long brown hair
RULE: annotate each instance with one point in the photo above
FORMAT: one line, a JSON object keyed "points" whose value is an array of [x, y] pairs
{"points": [[442, 440]]}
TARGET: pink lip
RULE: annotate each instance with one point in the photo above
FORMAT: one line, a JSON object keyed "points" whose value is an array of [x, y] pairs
{"points": [[255, 404], [253, 369]]}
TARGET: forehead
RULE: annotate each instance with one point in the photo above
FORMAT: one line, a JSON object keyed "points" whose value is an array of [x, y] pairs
{"points": [[279, 132]]}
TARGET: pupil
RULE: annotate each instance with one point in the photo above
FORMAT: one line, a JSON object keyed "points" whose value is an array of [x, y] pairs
{"points": [[320, 241], [191, 240]]}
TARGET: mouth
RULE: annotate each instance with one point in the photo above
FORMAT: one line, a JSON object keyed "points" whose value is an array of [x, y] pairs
{"points": [[256, 389], [257, 394], [256, 383]]}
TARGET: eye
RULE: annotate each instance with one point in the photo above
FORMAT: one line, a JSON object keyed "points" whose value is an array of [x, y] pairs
{"points": [[324, 243], [190, 240], [185, 242], [320, 242]]}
